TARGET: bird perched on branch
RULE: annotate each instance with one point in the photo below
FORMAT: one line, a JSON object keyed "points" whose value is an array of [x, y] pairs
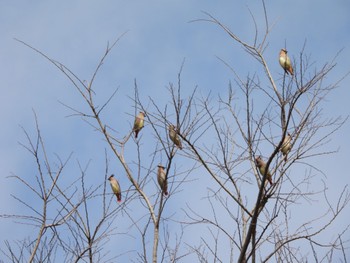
{"points": [[174, 137], [262, 169], [139, 123], [115, 188], [286, 146], [162, 180], [285, 62]]}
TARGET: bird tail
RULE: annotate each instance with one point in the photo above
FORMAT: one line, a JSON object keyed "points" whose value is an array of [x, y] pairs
{"points": [[165, 189], [270, 180], [291, 71]]}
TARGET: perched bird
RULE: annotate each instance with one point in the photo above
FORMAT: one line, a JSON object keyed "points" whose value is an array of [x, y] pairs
{"points": [[139, 123], [286, 146], [262, 166], [162, 180], [115, 187], [285, 62], [174, 137]]}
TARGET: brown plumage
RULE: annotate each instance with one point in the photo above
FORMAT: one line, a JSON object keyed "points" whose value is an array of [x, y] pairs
{"points": [[162, 180], [174, 137], [286, 146], [115, 187], [139, 123], [285, 62], [262, 167]]}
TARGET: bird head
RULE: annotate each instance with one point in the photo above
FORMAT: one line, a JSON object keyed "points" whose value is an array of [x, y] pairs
{"points": [[284, 50], [142, 113], [109, 178], [258, 160]]}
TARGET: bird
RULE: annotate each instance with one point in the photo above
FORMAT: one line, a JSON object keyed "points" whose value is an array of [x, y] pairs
{"points": [[285, 62], [162, 180], [139, 123], [262, 166], [286, 146], [115, 188], [174, 136]]}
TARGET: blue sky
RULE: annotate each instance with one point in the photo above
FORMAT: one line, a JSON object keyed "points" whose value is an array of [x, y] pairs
{"points": [[159, 37]]}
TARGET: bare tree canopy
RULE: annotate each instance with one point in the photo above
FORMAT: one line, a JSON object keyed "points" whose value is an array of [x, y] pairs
{"points": [[189, 174]]}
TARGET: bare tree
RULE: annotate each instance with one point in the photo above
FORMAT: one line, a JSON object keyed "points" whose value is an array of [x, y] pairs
{"points": [[256, 144], [62, 212], [292, 114]]}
